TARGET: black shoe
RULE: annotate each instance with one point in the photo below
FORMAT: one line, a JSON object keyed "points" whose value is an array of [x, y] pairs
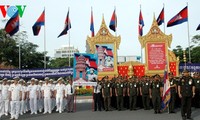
{"points": [[159, 112], [172, 112], [155, 112], [189, 118], [68, 111], [71, 111]]}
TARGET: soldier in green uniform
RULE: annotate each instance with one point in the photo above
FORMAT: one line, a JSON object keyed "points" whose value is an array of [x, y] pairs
{"points": [[119, 92], [186, 91], [113, 98], [144, 92], [156, 90], [106, 93], [173, 91], [132, 90], [197, 90]]}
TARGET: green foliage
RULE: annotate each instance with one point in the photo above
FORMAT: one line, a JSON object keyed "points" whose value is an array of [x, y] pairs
{"points": [[60, 62], [84, 91], [194, 50], [9, 51]]}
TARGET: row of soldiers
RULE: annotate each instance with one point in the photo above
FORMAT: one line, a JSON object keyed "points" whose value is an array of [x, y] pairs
{"points": [[118, 92], [18, 97]]}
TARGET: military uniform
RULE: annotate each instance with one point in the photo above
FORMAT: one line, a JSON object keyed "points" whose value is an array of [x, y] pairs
{"points": [[133, 93], [156, 95], [173, 91], [186, 92], [119, 91], [197, 90], [144, 90], [107, 93]]}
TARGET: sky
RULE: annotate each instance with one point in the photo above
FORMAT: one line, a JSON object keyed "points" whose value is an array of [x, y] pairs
{"points": [[127, 21]]}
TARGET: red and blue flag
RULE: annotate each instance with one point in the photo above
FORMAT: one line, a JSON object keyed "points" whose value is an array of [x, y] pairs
{"points": [[12, 26], [166, 90], [92, 25], [113, 22], [160, 18], [141, 24], [181, 17], [67, 25], [40, 22]]}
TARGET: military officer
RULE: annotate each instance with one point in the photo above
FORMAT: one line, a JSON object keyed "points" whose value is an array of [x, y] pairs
{"points": [[59, 93], [47, 94], [186, 91], [197, 90], [119, 92], [132, 90], [15, 98], [156, 93], [106, 93], [5, 97], [173, 91], [144, 92]]}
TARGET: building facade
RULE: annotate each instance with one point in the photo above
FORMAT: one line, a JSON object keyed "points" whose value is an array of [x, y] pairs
{"points": [[65, 51]]}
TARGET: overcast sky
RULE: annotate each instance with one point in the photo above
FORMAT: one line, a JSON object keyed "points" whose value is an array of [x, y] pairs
{"points": [[127, 17]]}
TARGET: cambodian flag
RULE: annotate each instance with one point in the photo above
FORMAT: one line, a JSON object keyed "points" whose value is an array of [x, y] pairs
{"points": [[113, 22], [166, 91], [40, 22], [92, 25], [198, 28], [12, 26], [67, 25], [181, 17], [141, 24], [160, 18]]}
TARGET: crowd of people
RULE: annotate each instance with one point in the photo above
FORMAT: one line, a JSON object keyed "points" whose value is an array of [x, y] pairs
{"points": [[118, 93], [18, 96]]}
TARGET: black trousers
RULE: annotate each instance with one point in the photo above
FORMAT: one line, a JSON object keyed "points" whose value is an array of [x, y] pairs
{"points": [[97, 101], [146, 101], [172, 102], [186, 106]]}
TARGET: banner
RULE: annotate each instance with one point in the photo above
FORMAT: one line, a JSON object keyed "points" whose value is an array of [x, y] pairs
{"points": [[192, 67], [105, 57], [85, 68], [36, 73], [156, 56]]}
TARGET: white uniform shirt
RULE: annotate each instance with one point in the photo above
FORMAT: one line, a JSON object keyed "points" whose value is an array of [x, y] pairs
{"points": [[47, 88], [33, 89], [0, 93], [15, 92], [97, 88], [24, 90], [68, 89], [59, 90], [5, 92]]}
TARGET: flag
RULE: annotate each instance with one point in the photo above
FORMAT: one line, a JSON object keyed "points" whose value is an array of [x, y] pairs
{"points": [[141, 24], [92, 24], [166, 90], [160, 18], [198, 28], [40, 22], [181, 17], [67, 25], [113, 22], [12, 26]]}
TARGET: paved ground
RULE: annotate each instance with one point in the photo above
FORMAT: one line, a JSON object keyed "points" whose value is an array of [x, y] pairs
{"points": [[84, 112]]}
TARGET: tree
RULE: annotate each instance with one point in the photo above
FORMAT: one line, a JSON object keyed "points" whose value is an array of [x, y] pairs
{"points": [[60, 62], [9, 51], [194, 50]]}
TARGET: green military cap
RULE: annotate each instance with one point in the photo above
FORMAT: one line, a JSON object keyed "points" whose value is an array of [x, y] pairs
{"points": [[5, 79], [16, 78], [185, 71], [46, 78]]}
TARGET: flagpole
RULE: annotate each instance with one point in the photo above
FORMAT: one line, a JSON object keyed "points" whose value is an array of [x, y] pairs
{"points": [[164, 16], [141, 45], [188, 37], [44, 44], [69, 37]]}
